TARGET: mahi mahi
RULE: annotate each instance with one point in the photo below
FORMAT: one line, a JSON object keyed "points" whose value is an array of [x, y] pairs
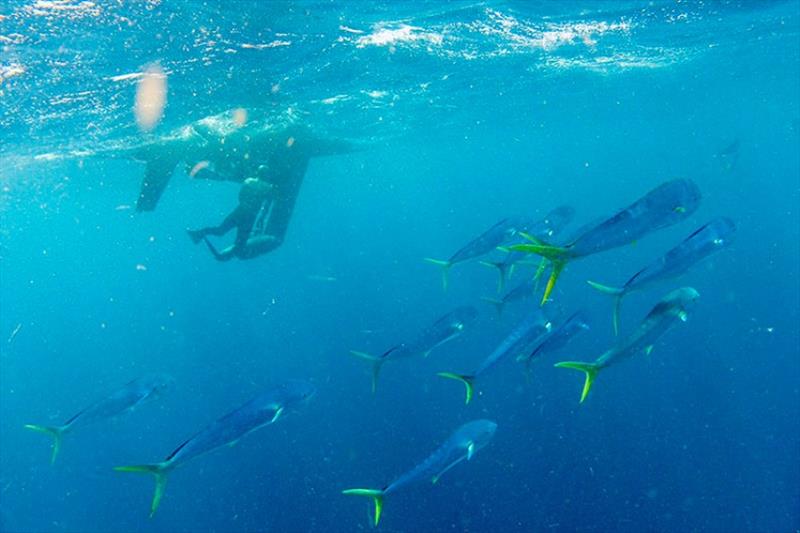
{"points": [[673, 308], [667, 204], [445, 329], [526, 333], [463, 444], [557, 338], [547, 228], [484, 243], [710, 238], [261, 411], [125, 399]]}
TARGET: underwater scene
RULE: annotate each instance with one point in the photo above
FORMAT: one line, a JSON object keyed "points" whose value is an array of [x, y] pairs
{"points": [[423, 266]]}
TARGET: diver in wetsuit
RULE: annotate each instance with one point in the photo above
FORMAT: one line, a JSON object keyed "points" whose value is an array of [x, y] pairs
{"points": [[253, 194], [266, 207]]}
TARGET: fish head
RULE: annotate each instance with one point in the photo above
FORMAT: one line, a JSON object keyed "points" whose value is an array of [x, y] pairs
{"points": [[684, 196], [160, 383], [300, 390], [681, 301], [480, 432], [463, 316]]}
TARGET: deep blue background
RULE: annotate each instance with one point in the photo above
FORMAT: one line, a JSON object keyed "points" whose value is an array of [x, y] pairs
{"points": [[704, 436]]}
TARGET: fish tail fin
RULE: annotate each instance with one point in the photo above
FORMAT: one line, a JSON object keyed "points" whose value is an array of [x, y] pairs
{"points": [[54, 431], [590, 369], [537, 277], [377, 363], [498, 304], [468, 381], [539, 247], [375, 494], [558, 266], [617, 293], [445, 269], [558, 256], [502, 273], [160, 471]]}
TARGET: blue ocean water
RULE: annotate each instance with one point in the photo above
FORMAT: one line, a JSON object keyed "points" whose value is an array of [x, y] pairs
{"points": [[464, 113]]}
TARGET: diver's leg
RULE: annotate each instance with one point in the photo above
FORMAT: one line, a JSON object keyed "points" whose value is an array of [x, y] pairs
{"points": [[230, 222], [225, 255], [274, 232]]}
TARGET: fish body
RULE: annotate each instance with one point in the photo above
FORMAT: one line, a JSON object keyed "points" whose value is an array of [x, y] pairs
{"points": [[444, 329], [522, 291], [463, 444], [558, 337], [667, 204], [499, 234], [261, 411], [531, 328], [124, 399], [663, 206], [708, 239], [544, 229], [672, 309]]}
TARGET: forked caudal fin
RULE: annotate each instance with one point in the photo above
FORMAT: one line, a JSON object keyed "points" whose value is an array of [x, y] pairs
{"points": [[445, 269], [504, 271], [557, 255], [468, 381], [618, 293], [377, 363], [590, 369], [160, 471], [54, 431], [376, 495]]}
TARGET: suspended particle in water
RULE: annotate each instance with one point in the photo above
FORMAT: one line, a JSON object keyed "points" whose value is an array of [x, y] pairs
{"points": [[151, 97], [240, 116]]}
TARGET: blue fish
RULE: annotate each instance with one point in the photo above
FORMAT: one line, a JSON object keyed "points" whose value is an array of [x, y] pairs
{"points": [[520, 292], [557, 338], [125, 399], [445, 329], [483, 244], [667, 204], [710, 238], [463, 444], [261, 411], [545, 229], [673, 308], [527, 332]]}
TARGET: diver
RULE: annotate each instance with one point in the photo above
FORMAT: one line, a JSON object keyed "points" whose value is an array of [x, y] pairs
{"points": [[253, 196], [266, 206]]}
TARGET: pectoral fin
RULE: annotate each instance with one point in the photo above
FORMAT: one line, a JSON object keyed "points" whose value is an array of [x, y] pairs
{"points": [[445, 469]]}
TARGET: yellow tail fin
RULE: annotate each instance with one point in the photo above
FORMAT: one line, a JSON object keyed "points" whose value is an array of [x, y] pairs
{"points": [[590, 369], [445, 269], [159, 470], [618, 294], [54, 431], [468, 381], [376, 495], [377, 363], [557, 255]]}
